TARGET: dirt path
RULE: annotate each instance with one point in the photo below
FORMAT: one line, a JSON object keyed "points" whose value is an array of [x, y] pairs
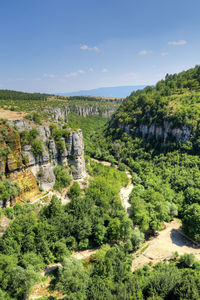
{"points": [[169, 241], [84, 254], [125, 193], [105, 163]]}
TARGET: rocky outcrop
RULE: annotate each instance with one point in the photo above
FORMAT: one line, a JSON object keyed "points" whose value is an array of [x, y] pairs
{"points": [[22, 163], [76, 150], [91, 110], [163, 132], [60, 113]]}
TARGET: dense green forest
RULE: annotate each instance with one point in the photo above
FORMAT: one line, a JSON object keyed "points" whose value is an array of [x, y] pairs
{"points": [[165, 176], [176, 99], [15, 95], [166, 184]]}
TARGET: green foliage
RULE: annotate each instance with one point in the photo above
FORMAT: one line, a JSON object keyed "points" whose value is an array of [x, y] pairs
{"points": [[37, 147], [37, 118], [31, 259], [27, 137], [137, 239], [14, 95], [63, 178], [191, 221], [8, 190], [72, 279], [74, 191]]}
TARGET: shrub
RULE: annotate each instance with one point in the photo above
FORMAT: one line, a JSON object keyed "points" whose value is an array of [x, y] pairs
{"points": [[63, 178], [74, 191], [37, 148], [37, 118], [137, 238], [122, 167]]}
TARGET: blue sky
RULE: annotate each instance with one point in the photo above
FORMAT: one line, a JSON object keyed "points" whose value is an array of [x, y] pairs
{"points": [[69, 45]]}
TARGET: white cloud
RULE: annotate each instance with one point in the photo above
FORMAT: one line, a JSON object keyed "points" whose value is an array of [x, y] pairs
{"points": [[91, 70], [104, 70], [86, 47], [164, 53], [74, 74], [177, 43], [143, 52], [49, 75]]}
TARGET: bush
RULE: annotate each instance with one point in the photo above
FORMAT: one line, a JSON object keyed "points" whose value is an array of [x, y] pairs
{"points": [[121, 167], [137, 238], [37, 118], [37, 148], [74, 191], [191, 221], [63, 178]]}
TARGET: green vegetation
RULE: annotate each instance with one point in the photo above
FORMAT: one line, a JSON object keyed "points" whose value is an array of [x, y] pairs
{"points": [[191, 221], [89, 125], [37, 239], [63, 178], [175, 99], [166, 179], [14, 95], [30, 138], [165, 176], [8, 190], [108, 276], [57, 134], [75, 190]]}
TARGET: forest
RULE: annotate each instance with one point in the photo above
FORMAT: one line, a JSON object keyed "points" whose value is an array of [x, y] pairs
{"points": [[166, 184]]}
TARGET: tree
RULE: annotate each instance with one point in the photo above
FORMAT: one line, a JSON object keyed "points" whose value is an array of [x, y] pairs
{"points": [[191, 221], [72, 279], [137, 238], [75, 190]]}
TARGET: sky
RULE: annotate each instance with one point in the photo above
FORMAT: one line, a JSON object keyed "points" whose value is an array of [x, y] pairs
{"points": [[58, 46]]}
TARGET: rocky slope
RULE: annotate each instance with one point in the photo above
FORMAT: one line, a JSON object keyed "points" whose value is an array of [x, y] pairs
{"points": [[19, 164]]}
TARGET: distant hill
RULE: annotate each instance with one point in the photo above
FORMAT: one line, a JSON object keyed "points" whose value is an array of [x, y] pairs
{"points": [[18, 95], [115, 91]]}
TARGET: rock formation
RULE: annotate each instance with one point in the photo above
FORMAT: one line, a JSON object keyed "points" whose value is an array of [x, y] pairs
{"points": [[162, 132], [22, 166]]}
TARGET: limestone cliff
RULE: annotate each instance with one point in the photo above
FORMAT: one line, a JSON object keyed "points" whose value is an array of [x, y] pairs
{"points": [[30, 171], [60, 113], [163, 132]]}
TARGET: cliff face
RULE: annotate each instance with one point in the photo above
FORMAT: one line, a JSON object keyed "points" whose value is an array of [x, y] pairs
{"points": [[60, 113], [163, 132], [89, 110], [30, 171]]}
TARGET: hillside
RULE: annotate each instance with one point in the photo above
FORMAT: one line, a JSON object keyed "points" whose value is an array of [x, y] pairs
{"points": [[168, 112], [76, 227], [43, 103], [155, 132]]}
